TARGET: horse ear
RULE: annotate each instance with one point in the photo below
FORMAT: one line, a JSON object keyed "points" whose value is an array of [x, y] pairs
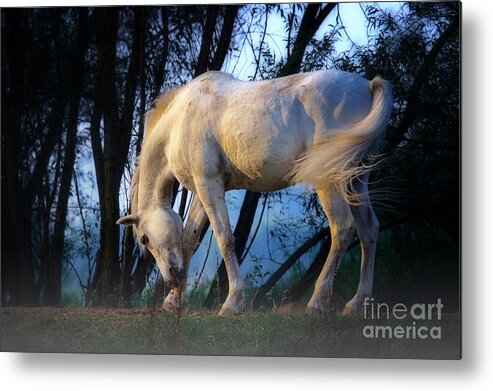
{"points": [[127, 220]]}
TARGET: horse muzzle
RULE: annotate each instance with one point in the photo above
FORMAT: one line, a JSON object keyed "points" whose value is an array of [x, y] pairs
{"points": [[178, 275]]}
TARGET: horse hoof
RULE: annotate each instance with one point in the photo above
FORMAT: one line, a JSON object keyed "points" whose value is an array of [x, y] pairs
{"points": [[313, 310], [353, 308], [228, 311], [171, 306], [315, 307]]}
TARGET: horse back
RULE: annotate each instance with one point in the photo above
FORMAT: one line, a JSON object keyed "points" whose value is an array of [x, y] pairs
{"points": [[250, 133]]}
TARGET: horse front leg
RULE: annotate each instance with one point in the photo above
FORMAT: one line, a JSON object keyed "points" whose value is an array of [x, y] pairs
{"points": [[196, 223], [212, 195]]}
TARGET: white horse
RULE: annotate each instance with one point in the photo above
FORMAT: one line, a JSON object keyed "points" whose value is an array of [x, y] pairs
{"points": [[218, 133]]}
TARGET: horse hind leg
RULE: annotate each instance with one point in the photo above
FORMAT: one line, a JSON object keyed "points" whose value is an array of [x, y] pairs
{"points": [[367, 228], [342, 230], [196, 222]]}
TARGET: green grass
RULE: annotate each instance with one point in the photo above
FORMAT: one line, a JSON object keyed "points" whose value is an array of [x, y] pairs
{"points": [[146, 331]]}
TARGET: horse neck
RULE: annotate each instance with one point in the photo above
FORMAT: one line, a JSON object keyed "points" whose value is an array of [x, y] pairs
{"points": [[155, 179]]}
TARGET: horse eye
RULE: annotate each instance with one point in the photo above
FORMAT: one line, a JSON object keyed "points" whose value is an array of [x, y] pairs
{"points": [[144, 240]]}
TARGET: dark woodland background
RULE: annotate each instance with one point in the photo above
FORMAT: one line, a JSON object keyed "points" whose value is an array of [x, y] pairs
{"points": [[77, 81]]}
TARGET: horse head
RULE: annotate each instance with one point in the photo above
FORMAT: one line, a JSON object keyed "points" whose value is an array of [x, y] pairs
{"points": [[160, 230]]}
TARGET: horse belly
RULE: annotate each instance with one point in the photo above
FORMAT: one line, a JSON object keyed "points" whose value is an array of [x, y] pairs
{"points": [[267, 181], [261, 136], [261, 160]]}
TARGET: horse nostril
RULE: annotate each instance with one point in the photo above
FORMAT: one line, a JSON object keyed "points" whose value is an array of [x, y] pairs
{"points": [[178, 274]]}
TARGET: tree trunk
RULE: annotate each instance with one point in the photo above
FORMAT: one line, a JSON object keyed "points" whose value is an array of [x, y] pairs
{"points": [[55, 123], [117, 134], [142, 270], [207, 36], [106, 35], [313, 17], [161, 65], [225, 38], [307, 280], [54, 270], [18, 284], [129, 257], [276, 276]]}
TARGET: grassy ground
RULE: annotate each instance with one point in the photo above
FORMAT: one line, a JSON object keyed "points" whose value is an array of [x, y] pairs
{"points": [[254, 333]]}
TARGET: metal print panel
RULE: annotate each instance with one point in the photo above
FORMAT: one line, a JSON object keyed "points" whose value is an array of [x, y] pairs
{"points": [[255, 179]]}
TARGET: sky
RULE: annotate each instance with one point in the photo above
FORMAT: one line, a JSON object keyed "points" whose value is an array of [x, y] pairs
{"points": [[350, 15]]}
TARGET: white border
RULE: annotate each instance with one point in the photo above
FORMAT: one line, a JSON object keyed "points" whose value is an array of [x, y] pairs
{"points": [[475, 371]]}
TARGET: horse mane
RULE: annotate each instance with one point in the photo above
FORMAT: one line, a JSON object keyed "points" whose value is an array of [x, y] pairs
{"points": [[159, 107]]}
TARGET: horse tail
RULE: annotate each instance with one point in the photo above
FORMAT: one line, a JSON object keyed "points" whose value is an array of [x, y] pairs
{"points": [[350, 152]]}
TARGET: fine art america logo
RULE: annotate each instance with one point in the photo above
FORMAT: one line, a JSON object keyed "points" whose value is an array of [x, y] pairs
{"points": [[410, 320]]}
